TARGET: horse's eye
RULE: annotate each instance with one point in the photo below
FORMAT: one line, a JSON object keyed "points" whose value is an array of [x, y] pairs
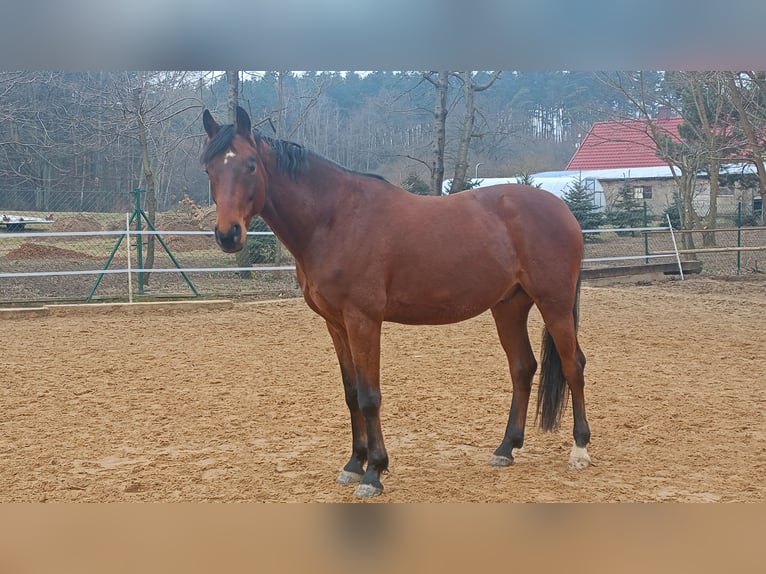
{"points": [[251, 168]]}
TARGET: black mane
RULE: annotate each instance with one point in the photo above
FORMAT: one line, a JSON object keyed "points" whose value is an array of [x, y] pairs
{"points": [[292, 158]]}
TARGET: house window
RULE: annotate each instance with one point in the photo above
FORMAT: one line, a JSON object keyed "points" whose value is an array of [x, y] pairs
{"points": [[642, 192]]}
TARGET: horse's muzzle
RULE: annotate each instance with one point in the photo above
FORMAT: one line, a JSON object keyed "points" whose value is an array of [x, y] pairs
{"points": [[231, 240]]}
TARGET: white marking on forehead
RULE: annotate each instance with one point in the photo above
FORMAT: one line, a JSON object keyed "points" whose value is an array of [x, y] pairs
{"points": [[227, 156]]}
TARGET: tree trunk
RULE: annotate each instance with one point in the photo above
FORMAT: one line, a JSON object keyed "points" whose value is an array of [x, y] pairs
{"points": [[708, 238], [712, 144], [440, 132], [232, 94], [688, 216], [687, 166], [151, 197], [469, 91], [280, 103], [461, 165]]}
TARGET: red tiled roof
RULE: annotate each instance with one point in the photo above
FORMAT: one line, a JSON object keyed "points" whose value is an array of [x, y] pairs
{"points": [[620, 144]]}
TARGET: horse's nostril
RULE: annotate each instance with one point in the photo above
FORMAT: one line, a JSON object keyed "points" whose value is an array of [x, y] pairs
{"points": [[230, 239]]}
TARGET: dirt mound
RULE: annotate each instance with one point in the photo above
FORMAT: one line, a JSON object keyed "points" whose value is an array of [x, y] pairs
{"points": [[175, 221], [76, 223], [182, 221], [38, 251], [206, 218], [114, 224]]}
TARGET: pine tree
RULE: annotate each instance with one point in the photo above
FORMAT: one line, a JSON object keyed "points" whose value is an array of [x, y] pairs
{"points": [[581, 202], [626, 210], [467, 184], [416, 185], [527, 179], [674, 210]]}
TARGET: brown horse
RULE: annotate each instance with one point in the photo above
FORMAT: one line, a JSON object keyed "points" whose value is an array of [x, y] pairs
{"points": [[367, 251]]}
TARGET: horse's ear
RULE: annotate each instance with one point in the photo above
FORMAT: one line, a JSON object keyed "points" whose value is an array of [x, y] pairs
{"points": [[244, 127], [211, 126]]}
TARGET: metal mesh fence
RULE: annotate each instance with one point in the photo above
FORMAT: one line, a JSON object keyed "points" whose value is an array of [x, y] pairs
{"points": [[68, 259], [727, 251], [84, 256], [65, 201]]}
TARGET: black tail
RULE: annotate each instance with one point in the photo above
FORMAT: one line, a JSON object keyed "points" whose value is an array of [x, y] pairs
{"points": [[553, 392]]}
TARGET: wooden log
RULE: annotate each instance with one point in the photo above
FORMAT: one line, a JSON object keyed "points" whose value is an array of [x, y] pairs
{"points": [[689, 267]]}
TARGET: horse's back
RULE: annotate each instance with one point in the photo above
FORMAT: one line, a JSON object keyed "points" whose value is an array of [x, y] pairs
{"points": [[533, 219], [508, 202], [536, 205], [449, 258], [506, 223]]}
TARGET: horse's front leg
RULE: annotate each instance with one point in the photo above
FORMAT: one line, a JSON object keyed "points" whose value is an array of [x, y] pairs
{"points": [[354, 469], [364, 342]]}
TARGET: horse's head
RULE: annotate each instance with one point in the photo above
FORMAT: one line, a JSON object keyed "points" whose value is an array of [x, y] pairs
{"points": [[237, 178]]}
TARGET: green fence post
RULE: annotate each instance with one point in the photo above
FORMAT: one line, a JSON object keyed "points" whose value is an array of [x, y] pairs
{"points": [[139, 213], [646, 236], [109, 260], [139, 242], [739, 235]]}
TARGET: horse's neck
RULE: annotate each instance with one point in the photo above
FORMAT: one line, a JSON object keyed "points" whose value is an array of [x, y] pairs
{"points": [[296, 208]]}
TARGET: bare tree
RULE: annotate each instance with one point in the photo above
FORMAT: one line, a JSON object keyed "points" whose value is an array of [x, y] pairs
{"points": [[684, 162], [232, 94], [148, 100], [294, 109], [705, 135], [440, 81], [467, 132], [748, 95], [34, 132], [708, 119]]}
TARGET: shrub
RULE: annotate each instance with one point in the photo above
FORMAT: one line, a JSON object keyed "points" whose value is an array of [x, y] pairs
{"points": [[261, 248], [626, 210], [416, 185], [673, 210], [581, 202]]}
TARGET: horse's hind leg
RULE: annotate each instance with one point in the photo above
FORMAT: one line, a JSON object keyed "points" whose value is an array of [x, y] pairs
{"points": [[562, 330], [354, 469], [579, 457], [511, 322]]}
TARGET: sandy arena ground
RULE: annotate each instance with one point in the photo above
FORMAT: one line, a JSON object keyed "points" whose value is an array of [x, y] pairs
{"points": [[246, 404]]}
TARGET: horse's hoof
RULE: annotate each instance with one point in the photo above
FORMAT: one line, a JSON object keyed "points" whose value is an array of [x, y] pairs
{"points": [[579, 458], [367, 490], [347, 477], [498, 460]]}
